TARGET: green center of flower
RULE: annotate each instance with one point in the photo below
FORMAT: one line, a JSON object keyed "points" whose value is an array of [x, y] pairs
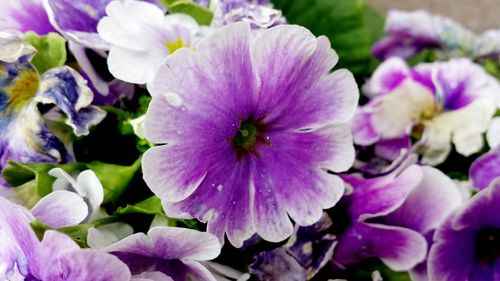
{"points": [[246, 136], [174, 46], [488, 245]]}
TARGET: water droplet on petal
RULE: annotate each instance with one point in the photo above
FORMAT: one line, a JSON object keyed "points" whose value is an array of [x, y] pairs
{"points": [[173, 99], [234, 202], [219, 187]]}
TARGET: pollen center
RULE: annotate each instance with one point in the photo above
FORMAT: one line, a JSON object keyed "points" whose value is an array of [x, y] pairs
{"points": [[246, 136], [174, 46], [23, 89], [488, 245]]}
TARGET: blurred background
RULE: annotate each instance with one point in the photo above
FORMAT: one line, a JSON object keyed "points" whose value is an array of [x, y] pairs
{"points": [[478, 15]]}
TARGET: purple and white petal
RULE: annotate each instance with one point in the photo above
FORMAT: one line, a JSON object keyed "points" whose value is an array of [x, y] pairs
{"points": [[60, 209], [24, 16]]}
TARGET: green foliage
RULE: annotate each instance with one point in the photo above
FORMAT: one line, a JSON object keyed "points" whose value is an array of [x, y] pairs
{"points": [[51, 50], [114, 178], [351, 26], [201, 15], [150, 206]]}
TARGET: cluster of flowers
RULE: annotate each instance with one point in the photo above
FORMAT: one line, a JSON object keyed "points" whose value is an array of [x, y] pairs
{"points": [[246, 128]]}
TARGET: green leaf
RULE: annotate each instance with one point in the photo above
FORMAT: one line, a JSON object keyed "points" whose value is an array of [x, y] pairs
{"points": [[51, 50], [201, 15], [17, 174], [114, 178], [150, 206], [349, 24]]}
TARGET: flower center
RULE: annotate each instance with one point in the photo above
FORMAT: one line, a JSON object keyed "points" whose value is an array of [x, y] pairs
{"points": [[246, 136], [250, 133], [488, 245], [174, 46]]}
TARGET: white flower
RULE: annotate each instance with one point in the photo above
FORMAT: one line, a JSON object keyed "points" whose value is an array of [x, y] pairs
{"points": [[142, 37]]}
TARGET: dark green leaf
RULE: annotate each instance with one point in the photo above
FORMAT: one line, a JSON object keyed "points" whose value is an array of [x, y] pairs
{"points": [[349, 24]]}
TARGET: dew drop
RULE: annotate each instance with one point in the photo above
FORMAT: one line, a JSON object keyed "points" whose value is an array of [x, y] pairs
{"points": [[219, 187], [173, 98], [234, 202]]}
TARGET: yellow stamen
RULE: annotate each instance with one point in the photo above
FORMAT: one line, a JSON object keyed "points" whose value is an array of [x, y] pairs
{"points": [[174, 46], [23, 89]]}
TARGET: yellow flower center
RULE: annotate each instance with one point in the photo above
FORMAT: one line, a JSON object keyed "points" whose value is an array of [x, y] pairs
{"points": [[174, 46], [23, 89]]}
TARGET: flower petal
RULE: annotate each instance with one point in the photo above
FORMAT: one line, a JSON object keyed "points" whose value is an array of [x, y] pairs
{"points": [[170, 243], [62, 258], [60, 209], [399, 248], [289, 61], [67, 89], [485, 169], [428, 204]]}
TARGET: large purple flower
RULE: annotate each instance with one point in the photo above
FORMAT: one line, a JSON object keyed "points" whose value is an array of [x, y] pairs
{"points": [[467, 244], [168, 252], [57, 257], [440, 103], [251, 125], [388, 216]]}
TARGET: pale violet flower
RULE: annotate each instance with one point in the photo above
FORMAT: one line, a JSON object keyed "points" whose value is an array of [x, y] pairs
{"points": [[56, 257], [167, 253], [72, 201], [247, 128], [142, 37], [441, 103]]}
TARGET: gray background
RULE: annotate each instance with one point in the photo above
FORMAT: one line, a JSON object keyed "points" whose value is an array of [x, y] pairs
{"points": [[478, 15]]}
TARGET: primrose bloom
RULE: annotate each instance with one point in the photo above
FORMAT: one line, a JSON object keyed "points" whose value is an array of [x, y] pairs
{"points": [[56, 257], [168, 253], [72, 201], [251, 126], [411, 32], [25, 135], [467, 244], [389, 216], [436, 103], [142, 37], [259, 13]]}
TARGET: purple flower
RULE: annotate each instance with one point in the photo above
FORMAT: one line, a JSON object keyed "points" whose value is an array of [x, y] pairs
{"points": [[439, 103], [251, 125], [25, 134], [57, 257], [466, 245], [411, 32], [24, 16], [168, 252], [387, 217], [259, 13]]}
